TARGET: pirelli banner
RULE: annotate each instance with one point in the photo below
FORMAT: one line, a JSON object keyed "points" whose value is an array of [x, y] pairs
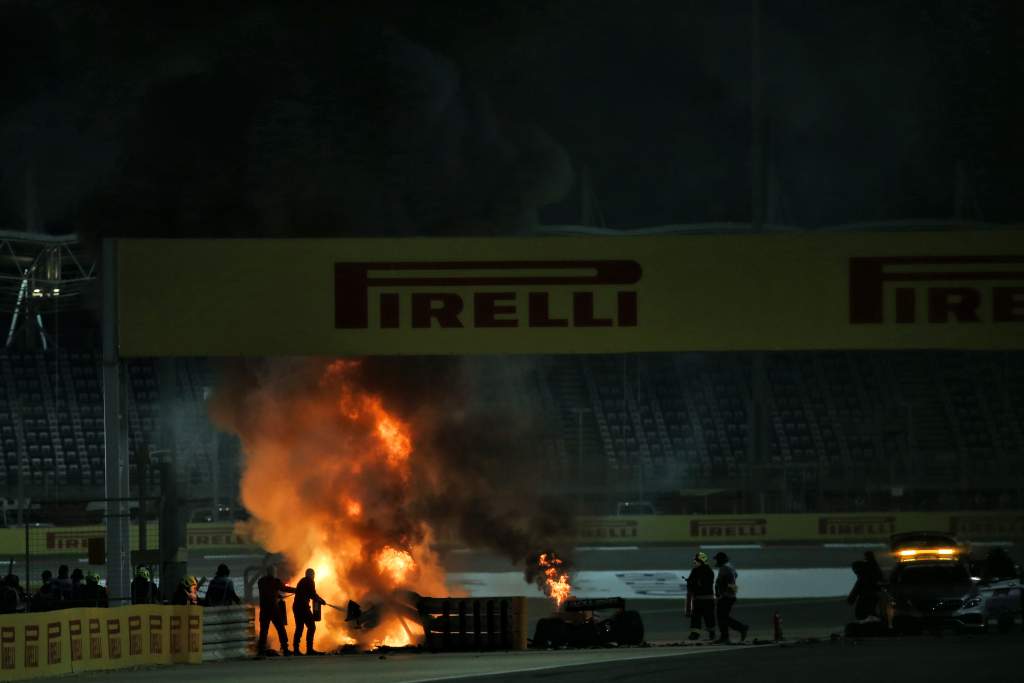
{"points": [[90, 639], [74, 540], [793, 291], [999, 526]]}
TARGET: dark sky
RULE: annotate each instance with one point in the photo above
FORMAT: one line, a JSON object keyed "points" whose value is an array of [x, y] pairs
{"points": [[445, 118]]}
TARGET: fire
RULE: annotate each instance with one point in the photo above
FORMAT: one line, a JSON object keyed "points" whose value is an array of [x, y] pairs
{"points": [[327, 482], [556, 577], [395, 439], [396, 564]]}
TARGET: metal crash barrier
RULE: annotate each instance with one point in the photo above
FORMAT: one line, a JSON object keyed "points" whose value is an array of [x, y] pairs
{"points": [[473, 623], [229, 632]]}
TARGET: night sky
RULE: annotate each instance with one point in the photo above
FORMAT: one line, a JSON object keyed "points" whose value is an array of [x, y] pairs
{"points": [[455, 118]]}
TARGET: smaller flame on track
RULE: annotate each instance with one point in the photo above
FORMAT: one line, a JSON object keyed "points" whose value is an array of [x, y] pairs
{"points": [[556, 577]]}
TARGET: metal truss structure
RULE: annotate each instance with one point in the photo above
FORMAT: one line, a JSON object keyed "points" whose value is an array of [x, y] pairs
{"points": [[41, 274]]}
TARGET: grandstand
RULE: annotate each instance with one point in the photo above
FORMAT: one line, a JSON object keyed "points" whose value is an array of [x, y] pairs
{"points": [[844, 429], [625, 427], [51, 422], [930, 423]]}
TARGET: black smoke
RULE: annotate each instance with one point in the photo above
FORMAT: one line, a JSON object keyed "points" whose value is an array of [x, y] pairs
{"points": [[478, 464], [266, 120]]}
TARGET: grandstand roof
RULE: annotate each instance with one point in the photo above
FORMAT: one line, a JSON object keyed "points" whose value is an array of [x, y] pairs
{"points": [[909, 225]]}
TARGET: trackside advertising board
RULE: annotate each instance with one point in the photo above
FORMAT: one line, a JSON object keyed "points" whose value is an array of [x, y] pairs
{"points": [[990, 525], [1003, 526], [89, 639], [793, 291]]}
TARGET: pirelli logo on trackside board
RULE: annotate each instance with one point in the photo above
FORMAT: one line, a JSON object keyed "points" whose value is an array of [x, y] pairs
{"points": [[486, 294], [729, 528], [937, 289], [857, 526]]}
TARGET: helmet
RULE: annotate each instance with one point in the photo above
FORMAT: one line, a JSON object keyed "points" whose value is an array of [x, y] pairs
{"points": [[701, 557], [92, 577], [142, 573], [721, 557], [190, 581]]}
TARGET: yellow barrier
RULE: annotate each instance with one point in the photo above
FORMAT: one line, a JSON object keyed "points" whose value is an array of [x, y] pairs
{"points": [[780, 528], [626, 530], [90, 639], [74, 540]]}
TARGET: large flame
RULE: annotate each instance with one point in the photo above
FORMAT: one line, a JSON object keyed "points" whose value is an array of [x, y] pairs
{"points": [[556, 577], [327, 482]]}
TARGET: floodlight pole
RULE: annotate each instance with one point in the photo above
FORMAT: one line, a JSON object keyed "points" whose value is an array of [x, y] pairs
{"points": [[757, 156], [759, 437], [115, 436]]}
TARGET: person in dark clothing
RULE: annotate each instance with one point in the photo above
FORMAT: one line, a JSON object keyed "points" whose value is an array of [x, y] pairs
{"points": [[10, 594], [47, 596], [221, 590], [77, 577], [998, 565], [700, 597], [725, 595], [187, 592], [305, 591], [93, 594], [144, 591], [63, 582], [874, 572], [864, 596], [272, 610]]}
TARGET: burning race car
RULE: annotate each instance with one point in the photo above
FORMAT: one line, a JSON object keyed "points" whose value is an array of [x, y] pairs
{"points": [[576, 626]]}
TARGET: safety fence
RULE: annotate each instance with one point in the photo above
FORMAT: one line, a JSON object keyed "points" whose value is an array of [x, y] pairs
{"points": [[493, 623], [90, 639]]}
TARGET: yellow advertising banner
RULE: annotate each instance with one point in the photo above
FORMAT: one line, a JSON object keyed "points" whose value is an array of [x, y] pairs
{"points": [[789, 291], [796, 528], [89, 639], [74, 540], [999, 525]]}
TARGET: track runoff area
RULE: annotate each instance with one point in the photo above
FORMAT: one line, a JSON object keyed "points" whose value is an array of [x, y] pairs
{"points": [[594, 296]]}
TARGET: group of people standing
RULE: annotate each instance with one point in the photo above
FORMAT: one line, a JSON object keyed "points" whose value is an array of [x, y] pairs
{"points": [[220, 591], [67, 589], [305, 610], [710, 599]]}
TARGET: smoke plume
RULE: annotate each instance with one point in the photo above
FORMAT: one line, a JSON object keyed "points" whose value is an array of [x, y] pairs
{"points": [[364, 466]]}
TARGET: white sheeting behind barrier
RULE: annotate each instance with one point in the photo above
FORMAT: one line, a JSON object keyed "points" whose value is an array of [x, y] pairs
{"points": [[753, 583]]}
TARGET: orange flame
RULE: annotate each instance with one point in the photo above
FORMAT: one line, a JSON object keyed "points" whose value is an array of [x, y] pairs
{"points": [[396, 564], [556, 578], [327, 481]]}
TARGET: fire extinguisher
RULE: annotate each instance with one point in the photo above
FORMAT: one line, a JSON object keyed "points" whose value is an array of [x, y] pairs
{"points": [[777, 626]]}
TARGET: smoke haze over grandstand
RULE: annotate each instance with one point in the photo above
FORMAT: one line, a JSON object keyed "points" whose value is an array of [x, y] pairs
{"points": [[266, 120]]}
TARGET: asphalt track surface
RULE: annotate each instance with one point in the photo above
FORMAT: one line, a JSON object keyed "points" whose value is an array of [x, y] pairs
{"points": [[994, 657], [952, 658]]}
